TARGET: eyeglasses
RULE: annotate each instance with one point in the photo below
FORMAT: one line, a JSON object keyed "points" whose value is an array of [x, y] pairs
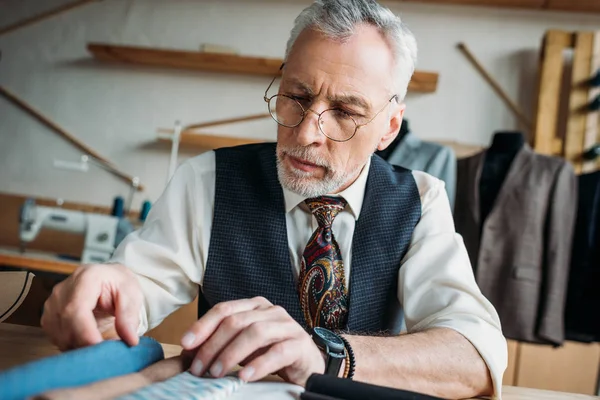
{"points": [[336, 124]]}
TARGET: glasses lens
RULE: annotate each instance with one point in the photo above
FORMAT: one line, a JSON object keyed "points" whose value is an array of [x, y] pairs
{"points": [[286, 111], [337, 125]]}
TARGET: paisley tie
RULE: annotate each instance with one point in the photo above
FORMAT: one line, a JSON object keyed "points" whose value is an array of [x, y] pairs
{"points": [[321, 284]]}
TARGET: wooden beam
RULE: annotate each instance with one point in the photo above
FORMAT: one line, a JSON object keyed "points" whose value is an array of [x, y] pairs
{"points": [[578, 99], [45, 15], [108, 165], [424, 82], [548, 101]]}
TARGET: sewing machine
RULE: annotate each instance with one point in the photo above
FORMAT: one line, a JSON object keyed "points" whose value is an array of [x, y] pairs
{"points": [[100, 230]]}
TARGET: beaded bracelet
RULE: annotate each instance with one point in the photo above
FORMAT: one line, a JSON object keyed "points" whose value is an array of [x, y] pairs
{"points": [[350, 360], [347, 366]]}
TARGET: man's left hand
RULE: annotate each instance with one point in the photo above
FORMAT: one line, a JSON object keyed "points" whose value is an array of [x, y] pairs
{"points": [[254, 333]]}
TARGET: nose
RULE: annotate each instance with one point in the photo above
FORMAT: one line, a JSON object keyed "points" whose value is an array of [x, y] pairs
{"points": [[308, 132]]}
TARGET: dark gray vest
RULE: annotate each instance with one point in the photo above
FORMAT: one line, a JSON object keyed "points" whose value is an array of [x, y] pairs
{"points": [[249, 255]]}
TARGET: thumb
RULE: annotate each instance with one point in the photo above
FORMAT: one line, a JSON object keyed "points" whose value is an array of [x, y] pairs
{"points": [[127, 317]]}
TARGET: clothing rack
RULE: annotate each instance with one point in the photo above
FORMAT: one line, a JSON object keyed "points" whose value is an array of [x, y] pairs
{"points": [[567, 120], [566, 123]]}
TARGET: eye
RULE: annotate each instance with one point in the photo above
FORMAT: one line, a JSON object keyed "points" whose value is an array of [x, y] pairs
{"points": [[344, 114], [300, 99]]}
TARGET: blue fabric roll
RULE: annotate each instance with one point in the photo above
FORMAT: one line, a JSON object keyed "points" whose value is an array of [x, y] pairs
{"points": [[83, 366]]}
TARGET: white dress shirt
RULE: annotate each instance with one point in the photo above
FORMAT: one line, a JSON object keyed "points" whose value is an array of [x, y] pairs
{"points": [[436, 284]]}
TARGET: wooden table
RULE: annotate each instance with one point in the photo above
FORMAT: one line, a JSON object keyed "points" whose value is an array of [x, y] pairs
{"points": [[21, 344], [36, 261]]}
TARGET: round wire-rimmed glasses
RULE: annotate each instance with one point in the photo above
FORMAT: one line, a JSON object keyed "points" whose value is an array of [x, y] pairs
{"points": [[336, 124]]}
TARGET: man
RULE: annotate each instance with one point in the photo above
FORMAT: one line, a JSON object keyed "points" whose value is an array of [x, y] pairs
{"points": [[316, 232]]}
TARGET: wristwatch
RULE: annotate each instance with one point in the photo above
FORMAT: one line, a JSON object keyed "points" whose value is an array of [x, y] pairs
{"points": [[333, 346]]}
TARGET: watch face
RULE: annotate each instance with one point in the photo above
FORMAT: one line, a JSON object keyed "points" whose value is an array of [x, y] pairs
{"points": [[330, 338]]}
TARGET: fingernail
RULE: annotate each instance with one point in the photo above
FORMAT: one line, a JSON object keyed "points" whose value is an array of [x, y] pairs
{"points": [[197, 367], [246, 374], [216, 369], [188, 339]]}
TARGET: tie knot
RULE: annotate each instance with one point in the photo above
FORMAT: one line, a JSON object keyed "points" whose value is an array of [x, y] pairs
{"points": [[325, 209]]}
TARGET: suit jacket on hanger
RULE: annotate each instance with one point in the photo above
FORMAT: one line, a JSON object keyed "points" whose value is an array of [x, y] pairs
{"points": [[522, 252], [435, 159]]}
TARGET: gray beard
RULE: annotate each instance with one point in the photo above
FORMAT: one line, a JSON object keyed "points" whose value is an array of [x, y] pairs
{"points": [[303, 183]]}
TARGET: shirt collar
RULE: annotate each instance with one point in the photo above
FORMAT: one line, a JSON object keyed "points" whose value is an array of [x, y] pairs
{"points": [[353, 194]]}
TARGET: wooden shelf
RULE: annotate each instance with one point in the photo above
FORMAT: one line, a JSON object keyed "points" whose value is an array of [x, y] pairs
{"points": [[186, 59], [574, 5], [424, 82], [537, 4], [208, 142], [556, 5]]}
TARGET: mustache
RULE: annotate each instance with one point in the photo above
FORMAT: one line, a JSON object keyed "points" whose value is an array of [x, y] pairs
{"points": [[305, 153]]}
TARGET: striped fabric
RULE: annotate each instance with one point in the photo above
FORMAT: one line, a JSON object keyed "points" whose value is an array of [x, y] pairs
{"points": [[186, 386]]}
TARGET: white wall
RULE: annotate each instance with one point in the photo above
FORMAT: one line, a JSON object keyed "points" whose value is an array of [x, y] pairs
{"points": [[118, 109]]}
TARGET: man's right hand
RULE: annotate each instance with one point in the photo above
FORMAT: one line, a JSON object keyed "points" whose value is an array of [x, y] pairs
{"points": [[94, 300]]}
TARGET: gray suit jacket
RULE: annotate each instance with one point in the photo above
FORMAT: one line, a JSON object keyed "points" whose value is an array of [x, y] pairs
{"points": [[521, 254], [435, 159]]}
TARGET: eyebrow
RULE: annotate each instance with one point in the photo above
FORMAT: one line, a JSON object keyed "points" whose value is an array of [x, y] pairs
{"points": [[301, 85], [348, 99]]}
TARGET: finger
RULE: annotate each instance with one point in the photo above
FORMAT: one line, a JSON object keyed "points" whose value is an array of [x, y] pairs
{"points": [[50, 322], [127, 311], [52, 317], [252, 356], [78, 321], [279, 356], [229, 328], [206, 326], [82, 327], [106, 324], [257, 336]]}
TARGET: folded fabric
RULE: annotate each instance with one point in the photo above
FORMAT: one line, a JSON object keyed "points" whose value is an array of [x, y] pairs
{"points": [[346, 389], [186, 386], [121, 385], [90, 364]]}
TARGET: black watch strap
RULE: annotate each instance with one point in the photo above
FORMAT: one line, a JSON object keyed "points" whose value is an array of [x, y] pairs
{"points": [[332, 345], [333, 363]]}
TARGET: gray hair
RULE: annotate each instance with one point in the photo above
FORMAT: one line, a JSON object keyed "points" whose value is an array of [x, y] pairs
{"points": [[337, 19]]}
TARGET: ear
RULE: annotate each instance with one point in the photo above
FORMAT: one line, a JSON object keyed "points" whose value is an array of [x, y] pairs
{"points": [[395, 122]]}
